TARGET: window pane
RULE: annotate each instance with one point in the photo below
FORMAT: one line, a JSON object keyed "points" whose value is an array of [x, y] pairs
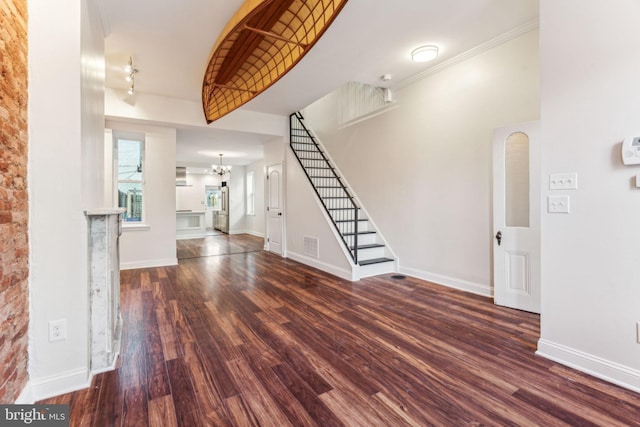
{"points": [[517, 180], [129, 160], [130, 197]]}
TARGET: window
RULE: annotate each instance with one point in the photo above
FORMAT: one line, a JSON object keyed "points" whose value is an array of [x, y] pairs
{"points": [[251, 195], [128, 157]]}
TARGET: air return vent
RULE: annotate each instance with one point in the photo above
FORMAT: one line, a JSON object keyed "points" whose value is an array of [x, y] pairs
{"points": [[311, 246]]}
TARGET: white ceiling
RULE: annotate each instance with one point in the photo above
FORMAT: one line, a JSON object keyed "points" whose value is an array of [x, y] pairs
{"points": [[170, 42]]}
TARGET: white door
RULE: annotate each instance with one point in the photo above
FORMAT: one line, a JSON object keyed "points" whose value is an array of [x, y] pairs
{"points": [[275, 224], [516, 216]]}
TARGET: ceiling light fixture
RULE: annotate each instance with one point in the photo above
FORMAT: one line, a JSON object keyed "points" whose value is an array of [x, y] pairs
{"points": [[131, 78], [424, 53], [221, 170]]}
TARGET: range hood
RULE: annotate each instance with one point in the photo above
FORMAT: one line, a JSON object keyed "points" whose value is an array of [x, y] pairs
{"points": [[181, 176]]}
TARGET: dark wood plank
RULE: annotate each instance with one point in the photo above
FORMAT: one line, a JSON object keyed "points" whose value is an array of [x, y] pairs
{"points": [[207, 387], [110, 402], [264, 408], [157, 380], [135, 411], [306, 396], [184, 399], [162, 413]]}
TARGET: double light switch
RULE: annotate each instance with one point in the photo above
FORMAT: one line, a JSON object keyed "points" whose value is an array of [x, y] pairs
{"points": [[561, 181]]}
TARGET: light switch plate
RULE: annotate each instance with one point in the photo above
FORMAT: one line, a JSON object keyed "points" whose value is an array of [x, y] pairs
{"points": [[558, 204], [563, 181]]}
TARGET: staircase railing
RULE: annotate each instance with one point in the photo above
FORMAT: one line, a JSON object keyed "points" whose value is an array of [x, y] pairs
{"points": [[329, 187]]}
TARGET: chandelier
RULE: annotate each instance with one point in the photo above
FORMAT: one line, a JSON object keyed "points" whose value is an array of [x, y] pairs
{"points": [[220, 169]]}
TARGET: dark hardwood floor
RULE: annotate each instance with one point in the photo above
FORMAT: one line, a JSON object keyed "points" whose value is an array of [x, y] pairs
{"points": [[219, 244], [253, 339]]}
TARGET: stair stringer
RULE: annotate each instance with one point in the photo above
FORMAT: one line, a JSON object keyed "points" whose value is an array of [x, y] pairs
{"points": [[358, 271]]}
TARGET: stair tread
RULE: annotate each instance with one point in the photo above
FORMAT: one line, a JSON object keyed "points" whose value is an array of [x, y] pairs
{"points": [[307, 151], [371, 246], [374, 261], [359, 233], [340, 209], [350, 220], [337, 197]]}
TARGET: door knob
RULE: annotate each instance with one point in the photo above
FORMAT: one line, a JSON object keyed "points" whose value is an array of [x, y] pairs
{"points": [[499, 237], [279, 213]]}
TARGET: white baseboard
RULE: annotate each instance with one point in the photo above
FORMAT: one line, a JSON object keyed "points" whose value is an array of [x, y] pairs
{"points": [[251, 232], [56, 385], [148, 263], [328, 268], [593, 365], [191, 236], [26, 396], [484, 290]]}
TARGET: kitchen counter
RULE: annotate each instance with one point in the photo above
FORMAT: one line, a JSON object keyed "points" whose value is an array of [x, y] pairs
{"points": [[190, 224]]}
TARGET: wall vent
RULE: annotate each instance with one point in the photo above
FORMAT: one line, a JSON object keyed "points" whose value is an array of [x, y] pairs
{"points": [[311, 246]]}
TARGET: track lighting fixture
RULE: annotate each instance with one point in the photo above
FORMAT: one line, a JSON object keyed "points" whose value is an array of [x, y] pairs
{"points": [[131, 77]]}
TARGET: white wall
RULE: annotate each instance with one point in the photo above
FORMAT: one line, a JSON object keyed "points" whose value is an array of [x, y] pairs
{"points": [[65, 139], [591, 290], [255, 224], [152, 243], [423, 170], [173, 111], [92, 105], [274, 150], [237, 185], [305, 217]]}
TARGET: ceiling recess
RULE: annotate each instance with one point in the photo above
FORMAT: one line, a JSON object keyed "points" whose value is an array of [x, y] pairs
{"points": [[260, 44]]}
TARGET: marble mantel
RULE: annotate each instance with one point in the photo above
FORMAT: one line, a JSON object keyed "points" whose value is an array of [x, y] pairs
{"points": [[105, 227]]}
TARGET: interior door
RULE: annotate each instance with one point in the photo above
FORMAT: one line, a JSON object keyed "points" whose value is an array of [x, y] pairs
{"points": [[516, 216], [275, 223]]}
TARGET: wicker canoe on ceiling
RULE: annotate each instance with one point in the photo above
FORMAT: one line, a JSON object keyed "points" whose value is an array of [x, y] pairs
{"points": [[260, 44]]}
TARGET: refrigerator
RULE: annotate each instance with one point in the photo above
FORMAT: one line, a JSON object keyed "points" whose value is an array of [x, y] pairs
{"points": [[222, 216]]}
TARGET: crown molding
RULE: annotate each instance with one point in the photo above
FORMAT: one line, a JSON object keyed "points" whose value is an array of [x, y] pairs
{"points": [[496, 41]]}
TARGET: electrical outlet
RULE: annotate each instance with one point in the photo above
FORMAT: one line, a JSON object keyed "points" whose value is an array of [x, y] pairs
{"points": [[57, 330]]}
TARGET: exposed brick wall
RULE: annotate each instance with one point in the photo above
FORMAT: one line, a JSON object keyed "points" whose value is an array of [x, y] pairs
{"points": [[14, 245]]}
